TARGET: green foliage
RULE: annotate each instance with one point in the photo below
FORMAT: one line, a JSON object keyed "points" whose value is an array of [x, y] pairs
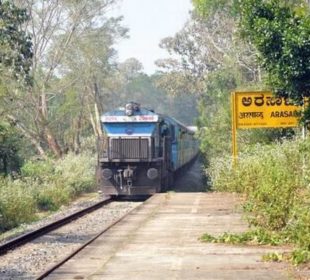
{"points": [[88, 145], [16, 204], [300, 256], [275, 179], [253, 237], [279, 30], [261, 237], [10, 143], [44, 185], [214, 130], [298, 227], [281, 34], [40, 170], [144, 90], [76, 172], [206, 7], [274, 257], [206, 237], [214, 119], [52, 197], [15, 44]]}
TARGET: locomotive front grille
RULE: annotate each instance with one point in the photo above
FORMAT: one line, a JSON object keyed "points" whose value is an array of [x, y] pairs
{"points": [[124, 148]]}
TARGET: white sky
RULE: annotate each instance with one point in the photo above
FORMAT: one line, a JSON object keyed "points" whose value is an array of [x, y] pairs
{"points": [[149, 21]]}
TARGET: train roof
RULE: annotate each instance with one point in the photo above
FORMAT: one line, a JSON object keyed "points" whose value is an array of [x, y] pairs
{"points": [[120, 115], [176, 122], [132, 112]]}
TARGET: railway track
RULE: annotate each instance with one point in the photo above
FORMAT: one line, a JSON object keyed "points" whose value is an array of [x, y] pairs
{"points": [[47, 246], [72, 254], [27, 237]]}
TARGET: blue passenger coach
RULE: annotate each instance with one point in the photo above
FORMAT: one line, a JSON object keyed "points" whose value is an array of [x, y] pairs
{"points": [[141, 151]]}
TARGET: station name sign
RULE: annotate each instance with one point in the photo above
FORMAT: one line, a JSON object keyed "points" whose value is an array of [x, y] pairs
{"points": [[263, 109]]}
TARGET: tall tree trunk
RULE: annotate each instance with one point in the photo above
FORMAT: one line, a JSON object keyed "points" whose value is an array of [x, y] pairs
{"points": [[98, 108], [98, 122], [52, 143], [93, 124], [77, 142], [48, 134]]}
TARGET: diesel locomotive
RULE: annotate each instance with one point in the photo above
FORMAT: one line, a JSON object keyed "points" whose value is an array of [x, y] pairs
{"points": [[141, 151]]}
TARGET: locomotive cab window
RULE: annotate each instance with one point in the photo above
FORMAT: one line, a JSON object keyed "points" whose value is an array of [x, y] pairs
{"points": [[164, 130]]}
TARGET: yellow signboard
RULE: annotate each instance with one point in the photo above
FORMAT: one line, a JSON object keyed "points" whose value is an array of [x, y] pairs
{"points": [[262, 109]]}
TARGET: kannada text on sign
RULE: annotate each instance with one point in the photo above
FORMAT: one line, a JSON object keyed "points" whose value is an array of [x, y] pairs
{"points": [[262, 109]]}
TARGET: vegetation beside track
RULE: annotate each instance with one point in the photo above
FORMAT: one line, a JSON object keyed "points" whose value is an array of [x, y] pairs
{"points": [[44, 185], [275, 180]]}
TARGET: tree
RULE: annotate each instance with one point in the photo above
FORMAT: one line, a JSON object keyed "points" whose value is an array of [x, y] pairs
{"points": [[131, 68], [281, 34], [15, 63], [203, 46], [209, 61], [85, 67], [277, 34], [10, 143], [57, 28], [15, 45]]}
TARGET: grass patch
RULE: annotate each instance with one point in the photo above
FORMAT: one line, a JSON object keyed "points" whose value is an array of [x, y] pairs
{"points": [[273, 257], [275, 180], [44, 186], [261, 237], [254, 237]]}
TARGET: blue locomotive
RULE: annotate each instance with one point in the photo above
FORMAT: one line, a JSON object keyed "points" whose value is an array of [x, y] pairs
{"points": [[141, 151]]}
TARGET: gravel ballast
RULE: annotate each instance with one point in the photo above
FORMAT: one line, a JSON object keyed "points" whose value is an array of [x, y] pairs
{"points": [[33, 258]]}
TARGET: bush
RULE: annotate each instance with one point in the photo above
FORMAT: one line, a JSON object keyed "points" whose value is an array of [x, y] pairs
{"points": [[39, 169], [77, 173], [44, 185], [51, 197], [17, 205], [275, 181]]}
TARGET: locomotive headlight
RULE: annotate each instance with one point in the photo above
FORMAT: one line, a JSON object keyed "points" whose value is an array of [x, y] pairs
{"points": [[107, 173], [152, 173]]}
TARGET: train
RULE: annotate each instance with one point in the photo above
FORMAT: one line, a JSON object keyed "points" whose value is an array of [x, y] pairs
{"points": [[141, 151]]}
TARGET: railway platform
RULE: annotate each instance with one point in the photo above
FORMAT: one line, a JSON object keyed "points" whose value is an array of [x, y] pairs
{"points": [[160, 240]]}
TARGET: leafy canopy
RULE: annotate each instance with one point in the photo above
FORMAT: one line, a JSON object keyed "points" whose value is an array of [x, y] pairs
{"points": [[15, 64], [281, 34], [15, 44], [280, 31]]}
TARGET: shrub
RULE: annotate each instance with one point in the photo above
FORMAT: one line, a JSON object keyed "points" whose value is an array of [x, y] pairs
{"points": [[17, 205], [44, 185], [52, 197], [89, 145], [275, 181], [76, 172], [39, 169]]}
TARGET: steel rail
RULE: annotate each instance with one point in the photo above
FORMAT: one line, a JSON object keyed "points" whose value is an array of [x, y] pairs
{"points": [[29, 236], [71, 255]]}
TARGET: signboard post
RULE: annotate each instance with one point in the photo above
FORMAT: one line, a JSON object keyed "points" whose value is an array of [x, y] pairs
{"points": [[261, 110], [234, 129]]}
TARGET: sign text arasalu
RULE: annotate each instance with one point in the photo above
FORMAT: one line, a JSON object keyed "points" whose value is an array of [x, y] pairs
{"points": [[263, 109]]}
